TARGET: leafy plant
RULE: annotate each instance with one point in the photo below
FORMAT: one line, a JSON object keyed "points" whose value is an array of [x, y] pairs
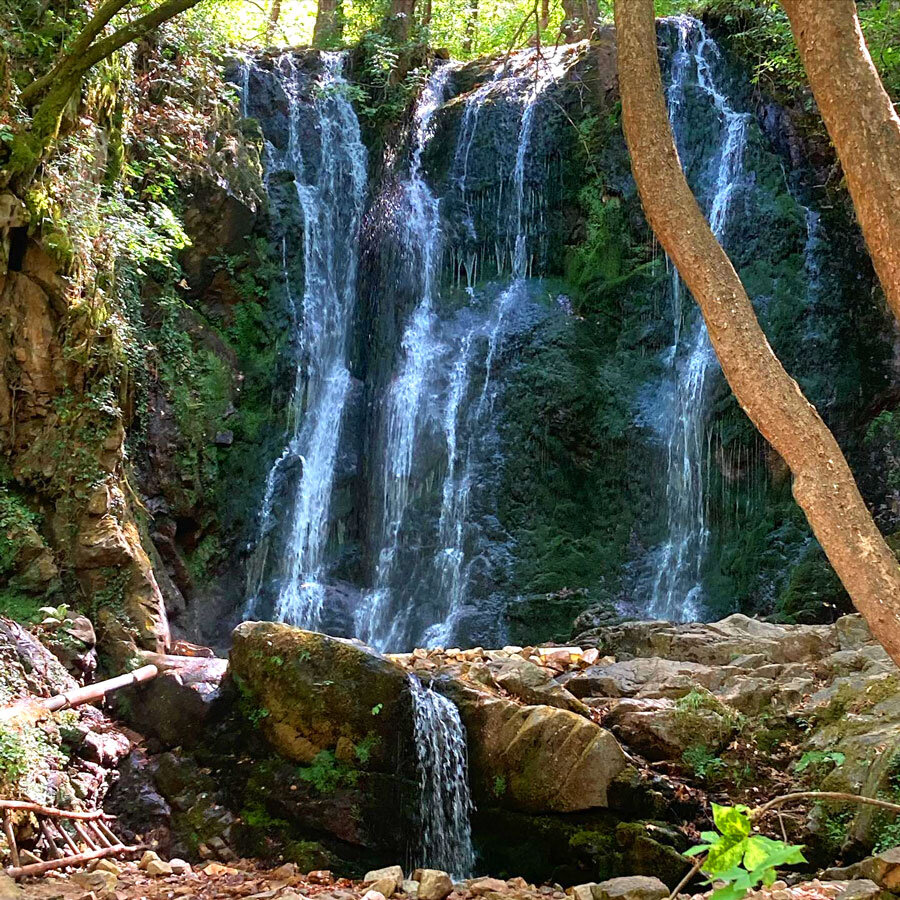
{"points": [[499, 786], [704, 763], [817, 758], [739, 858]]}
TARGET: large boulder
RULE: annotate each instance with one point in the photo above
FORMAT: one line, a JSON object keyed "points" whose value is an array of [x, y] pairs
{"points": [[663, 729], [316, 693], [537, 758]]}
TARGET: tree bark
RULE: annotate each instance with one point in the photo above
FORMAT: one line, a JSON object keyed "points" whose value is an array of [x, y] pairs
{"points": [[545, 14], [400, 20], [471, 26], [580, 18], [823, 484], [329, 27], [861, 121], [274, 16]]}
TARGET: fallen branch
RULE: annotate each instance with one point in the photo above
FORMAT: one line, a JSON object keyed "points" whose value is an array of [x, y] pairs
{"points": [[698, 864], [90, 692], [39, 868], [760, 811], [26, 806]]}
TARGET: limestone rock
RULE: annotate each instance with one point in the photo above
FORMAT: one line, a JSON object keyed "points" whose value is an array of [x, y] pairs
{"points": [[486, 885], [661, 729], [158, 868], [100, 882], [546, 759], [634, 887], [372, 895], [108, 865], [714, 644], [392, 874], [533, 684], [180, 866], [410, 887], [147, 857], [434, 884], [584, 891], [862, 889]]}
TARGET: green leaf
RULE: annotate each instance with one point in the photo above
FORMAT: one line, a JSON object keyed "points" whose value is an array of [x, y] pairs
{"points": [[724, 856], [696, 851], [732, 821], [709, 836]]}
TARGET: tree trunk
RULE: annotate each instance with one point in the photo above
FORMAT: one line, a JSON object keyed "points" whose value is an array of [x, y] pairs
{"points": [[471, 26], [823, 483], [274, 16], [426, 13], [400, 20], [329, 27], [861, 121], [545, 14]]}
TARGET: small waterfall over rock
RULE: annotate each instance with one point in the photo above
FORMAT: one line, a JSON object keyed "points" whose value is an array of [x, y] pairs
{"points": [[445, 836], [682, 413], [326, 159]]}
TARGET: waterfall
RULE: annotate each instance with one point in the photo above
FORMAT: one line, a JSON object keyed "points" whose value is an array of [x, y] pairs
{"points": [[455, 494], [677, 590], [439, 356], [445, 832], [331, 189], [376, 623]]}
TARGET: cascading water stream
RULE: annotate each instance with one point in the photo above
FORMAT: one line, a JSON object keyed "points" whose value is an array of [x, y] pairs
{"points": [[455, 494], [431, 345], [374, 622], [677, 590], [331, 192], [445, 832]]}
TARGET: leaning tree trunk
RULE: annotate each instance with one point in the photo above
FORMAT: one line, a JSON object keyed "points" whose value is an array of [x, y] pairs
{"points": [[861, 121], [329, 27], [823, 483]]}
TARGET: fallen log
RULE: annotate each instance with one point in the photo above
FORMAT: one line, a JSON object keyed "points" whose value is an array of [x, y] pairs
{"points": [[91, 692]]}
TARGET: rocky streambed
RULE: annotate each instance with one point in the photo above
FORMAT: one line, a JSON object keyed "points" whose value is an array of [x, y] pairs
{"points": [[586, 762]]}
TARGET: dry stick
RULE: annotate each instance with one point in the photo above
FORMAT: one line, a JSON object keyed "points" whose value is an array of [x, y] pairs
{"points": [[47, 831], [10, 837], [76, 850], [76, 860], [97, 691], [760, 811], [106, 830], [88, 840], [687, 878], [50, 811], [99, 836]]}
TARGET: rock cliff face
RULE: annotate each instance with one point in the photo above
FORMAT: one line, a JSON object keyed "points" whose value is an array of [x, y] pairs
{"points": [[65, 454]]}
